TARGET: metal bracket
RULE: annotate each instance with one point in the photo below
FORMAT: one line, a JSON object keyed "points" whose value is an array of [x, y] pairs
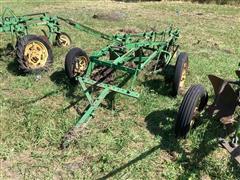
{"points": [[234, 151]]}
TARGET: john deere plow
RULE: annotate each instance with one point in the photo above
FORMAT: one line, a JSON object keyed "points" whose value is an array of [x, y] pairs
{"points": [[34, 52], [107, 70]]}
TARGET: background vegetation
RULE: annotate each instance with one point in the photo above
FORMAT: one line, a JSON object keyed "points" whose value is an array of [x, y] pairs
{"points": [[137, 140], [232, 2]]}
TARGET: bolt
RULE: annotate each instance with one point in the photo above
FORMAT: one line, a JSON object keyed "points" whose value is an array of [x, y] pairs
{"points": [[38, 77]]}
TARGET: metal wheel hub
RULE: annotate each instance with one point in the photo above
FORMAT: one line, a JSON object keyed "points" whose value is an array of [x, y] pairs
{"points": [[196, 115], [35, 54], [183, 76], [64, 40], [80, 65]]}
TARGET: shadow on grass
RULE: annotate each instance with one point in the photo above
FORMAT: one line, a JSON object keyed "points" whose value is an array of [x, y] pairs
{"points": [[234, 168], [162, 86], [37, 99], [193, 162], [154, 120], [220, 2], [131, 162], [159, 86], [13, 68], [61, 80], [8, 54], [7, 51]]}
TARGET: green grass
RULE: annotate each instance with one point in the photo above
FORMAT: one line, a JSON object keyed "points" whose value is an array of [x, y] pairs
{"points": [[221, 2], [137, 141]]}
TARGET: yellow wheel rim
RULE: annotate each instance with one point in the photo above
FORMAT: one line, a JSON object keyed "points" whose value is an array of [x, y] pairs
{"points": [[81, 64], [183, 76], [172, 51], [35, 55], [195, 116], [64, 40]]}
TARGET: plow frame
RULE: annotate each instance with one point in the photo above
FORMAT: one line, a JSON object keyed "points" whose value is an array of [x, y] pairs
{"points": [[19, 26], [126, 48]]}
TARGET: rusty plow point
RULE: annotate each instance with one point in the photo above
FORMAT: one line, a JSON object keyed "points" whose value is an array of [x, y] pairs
{"points": [[226, 99]]}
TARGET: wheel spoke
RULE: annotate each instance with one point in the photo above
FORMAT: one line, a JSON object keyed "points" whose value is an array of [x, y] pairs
{"points": [[64, 40], [80, 65], [35, 54]]}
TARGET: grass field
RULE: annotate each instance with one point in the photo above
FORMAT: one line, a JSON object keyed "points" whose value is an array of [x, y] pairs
{"points": [[137, 141], [231, 2]]}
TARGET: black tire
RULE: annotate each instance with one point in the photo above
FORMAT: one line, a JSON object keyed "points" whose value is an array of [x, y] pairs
{"points": [[70, 62], [180, 67], [196, 97], [60, 43], [22, 60]]}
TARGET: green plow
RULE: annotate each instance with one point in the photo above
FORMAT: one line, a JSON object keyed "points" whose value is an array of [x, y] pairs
{"points": [[108, 70], [25, 43], [20, 26]]}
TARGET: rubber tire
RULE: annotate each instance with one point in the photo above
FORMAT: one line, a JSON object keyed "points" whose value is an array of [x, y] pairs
{"points": [[57, 37], [181, 60], [20, 47], [70, 61], [195, 94]]}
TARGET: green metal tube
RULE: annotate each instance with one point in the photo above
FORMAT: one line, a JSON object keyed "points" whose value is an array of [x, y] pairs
{"points": [[110, 87], [124, 58], [146, 44], [85, 90], [87, 29], [89, 113], [151, 57]]}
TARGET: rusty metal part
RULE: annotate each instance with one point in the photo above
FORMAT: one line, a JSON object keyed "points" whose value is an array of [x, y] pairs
{"points": [[237, 73], [234, 151], [106, 74], [103, 74], [227, 120], [226, 99], [70, 136], [183, 77], [196, 115]]}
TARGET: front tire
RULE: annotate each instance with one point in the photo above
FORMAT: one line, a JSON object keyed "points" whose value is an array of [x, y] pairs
{"points": [[76, 63], [63, 40], [34, 53], [193, 103]]}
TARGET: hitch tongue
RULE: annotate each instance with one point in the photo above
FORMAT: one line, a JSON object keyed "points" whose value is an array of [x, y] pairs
{"points": [[225, 101]]}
